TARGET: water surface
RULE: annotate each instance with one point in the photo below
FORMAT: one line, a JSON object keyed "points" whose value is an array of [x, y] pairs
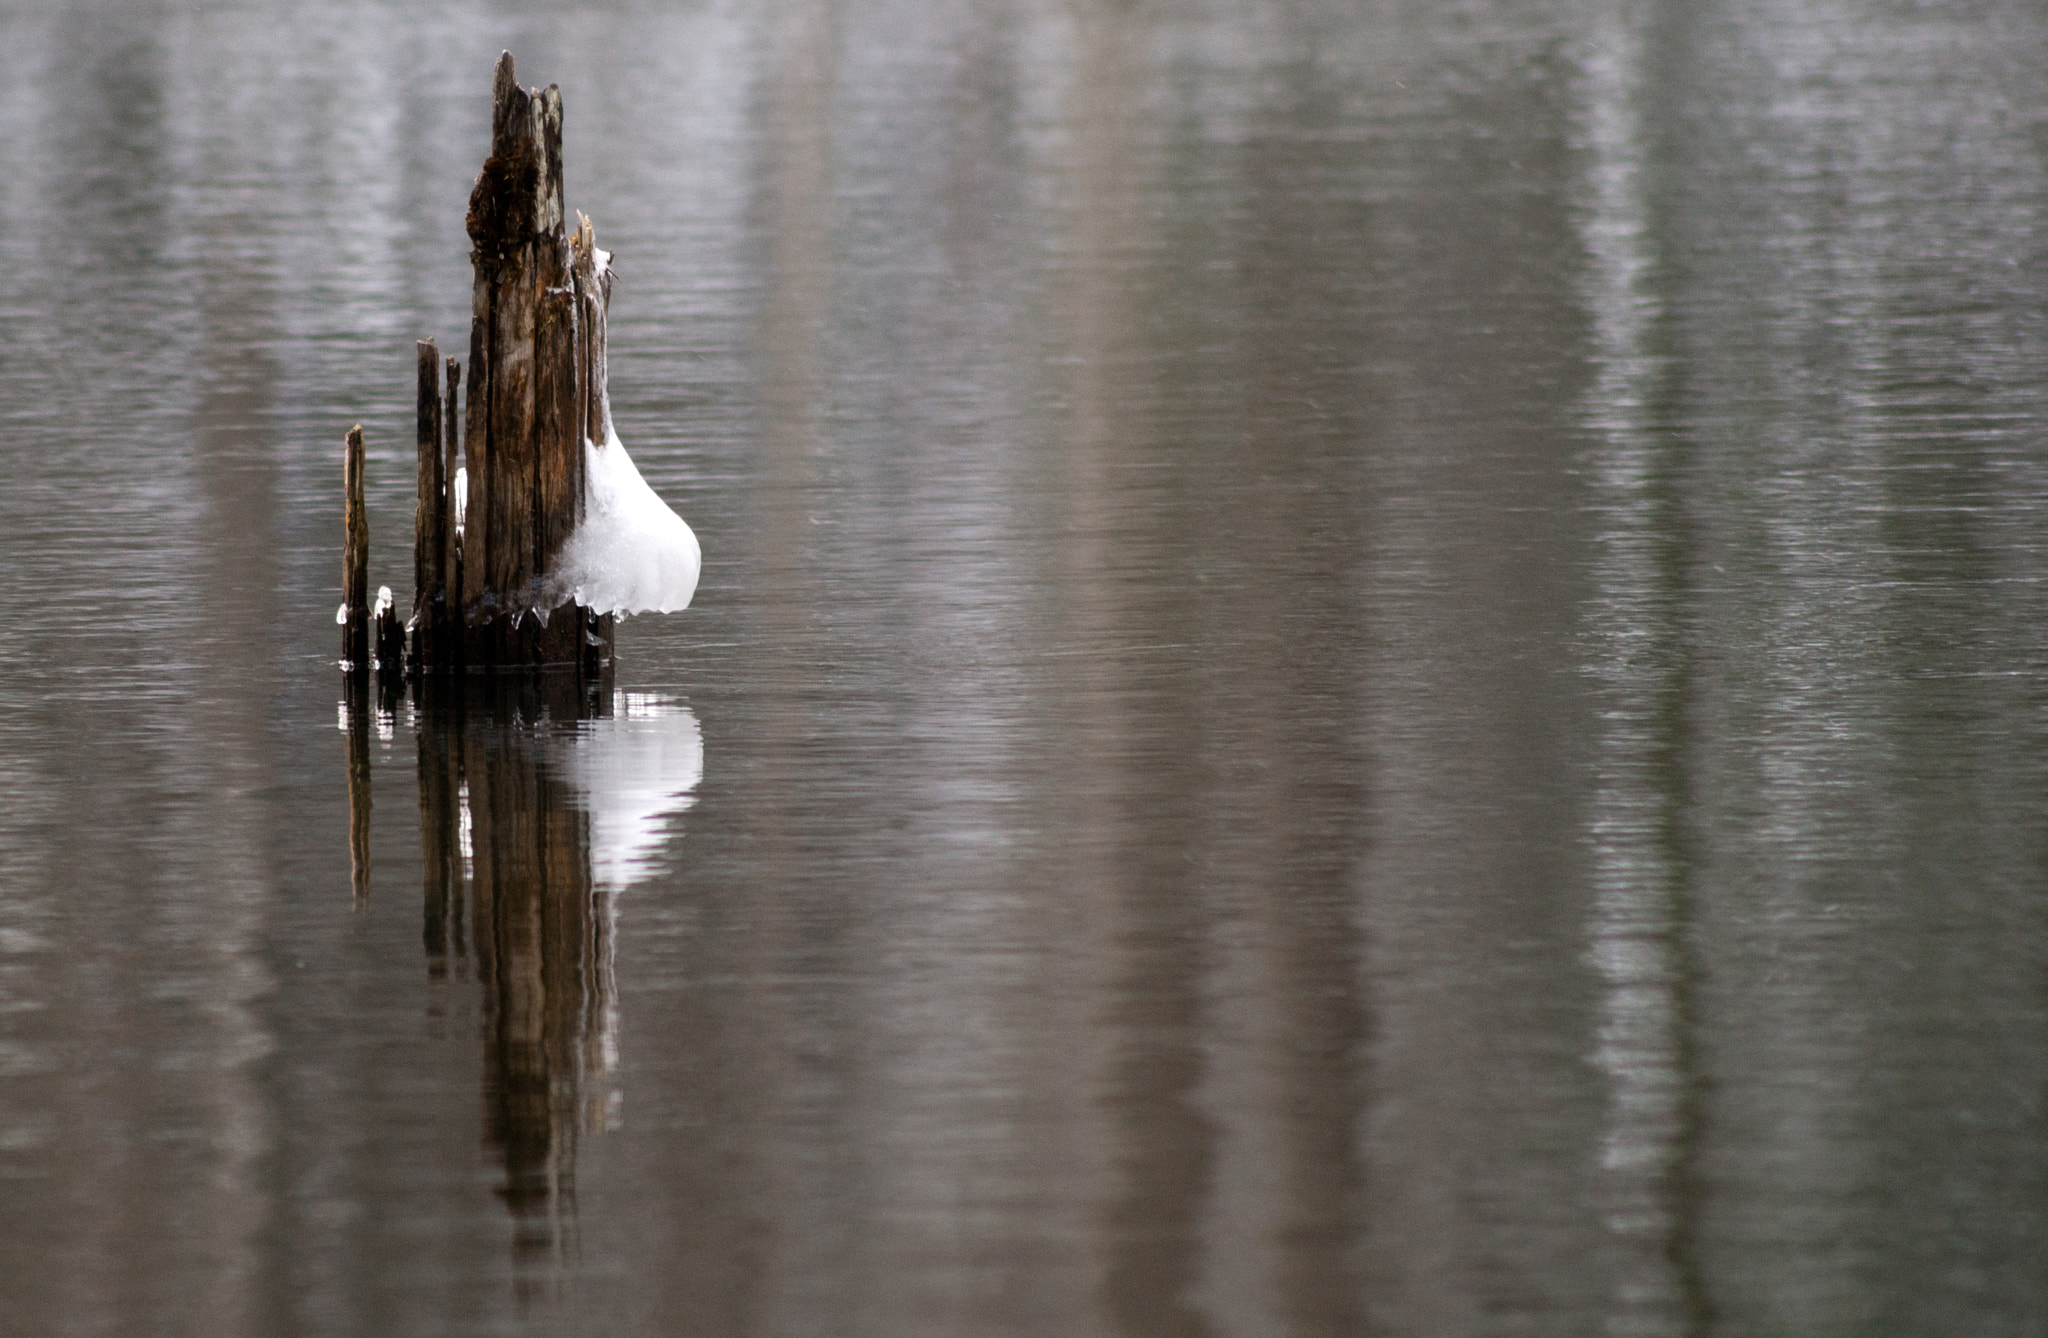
{"points": [[1361, 668]]}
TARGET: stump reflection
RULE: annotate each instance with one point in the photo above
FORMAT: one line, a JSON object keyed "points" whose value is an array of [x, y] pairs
{"points": [[517, 824]]}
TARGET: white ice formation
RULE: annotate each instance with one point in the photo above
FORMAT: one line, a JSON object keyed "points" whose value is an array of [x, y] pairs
{"points": [[630, 553]]}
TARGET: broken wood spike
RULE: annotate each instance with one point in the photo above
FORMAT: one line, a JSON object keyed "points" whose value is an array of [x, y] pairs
{"points": [[557, 428], [430, 538], [449, 653], [594, 298], [530, 387], [355, 559]]}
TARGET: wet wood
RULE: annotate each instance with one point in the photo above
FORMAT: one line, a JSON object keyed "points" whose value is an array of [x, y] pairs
{"points": [[476, 454], [355, 558], [594, 299], [508, 551], [503, 228], [429, 532], [390, 643], [519, 253], [558, 434], [449, 651], [598, 630], [593, 289]]}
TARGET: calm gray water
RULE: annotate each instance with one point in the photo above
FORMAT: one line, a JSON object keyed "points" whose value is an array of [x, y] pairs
{"points": [[1363, 668]]}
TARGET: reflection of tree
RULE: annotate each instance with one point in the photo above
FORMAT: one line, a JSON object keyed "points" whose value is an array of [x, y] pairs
{"points": [[507, 848]]}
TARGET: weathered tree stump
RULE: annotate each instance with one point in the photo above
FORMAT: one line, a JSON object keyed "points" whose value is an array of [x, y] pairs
{"points": [[536, 357], [501, 479]]}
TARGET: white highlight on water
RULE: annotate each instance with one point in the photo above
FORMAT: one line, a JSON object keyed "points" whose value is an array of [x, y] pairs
{"points": [[632, 772]]}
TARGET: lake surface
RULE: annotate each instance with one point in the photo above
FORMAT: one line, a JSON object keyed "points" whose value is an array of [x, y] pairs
{"points": [[1362, 668]]}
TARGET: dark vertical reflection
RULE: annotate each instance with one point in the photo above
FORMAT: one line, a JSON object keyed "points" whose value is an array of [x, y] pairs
{"points": [[443, 836], [1134, 756], [355, 709], [1299, 421], [504, 834], [1817, 416]]}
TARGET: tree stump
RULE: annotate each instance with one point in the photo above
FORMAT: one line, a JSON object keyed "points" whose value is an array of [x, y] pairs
{"points": [[536, 317], [496, 508]]}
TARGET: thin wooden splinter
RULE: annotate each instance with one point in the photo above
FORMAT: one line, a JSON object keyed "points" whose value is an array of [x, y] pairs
{"points": [[355, 559], [429, 543]]}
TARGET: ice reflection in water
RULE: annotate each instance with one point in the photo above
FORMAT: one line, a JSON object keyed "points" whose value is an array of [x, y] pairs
{"points": [[632, 770], [540, 800]]}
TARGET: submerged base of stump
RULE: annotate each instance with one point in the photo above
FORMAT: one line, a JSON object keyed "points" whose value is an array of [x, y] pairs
{"points": [[438, 641]]}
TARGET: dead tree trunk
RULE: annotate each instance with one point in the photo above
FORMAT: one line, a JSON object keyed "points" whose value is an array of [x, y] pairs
{"points": [[528, 382], [487, 538]]}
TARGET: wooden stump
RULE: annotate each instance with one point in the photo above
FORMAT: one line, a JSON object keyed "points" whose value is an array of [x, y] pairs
{"points": [[500, 479], [355, 558], [536, 366], [448, 648]]}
